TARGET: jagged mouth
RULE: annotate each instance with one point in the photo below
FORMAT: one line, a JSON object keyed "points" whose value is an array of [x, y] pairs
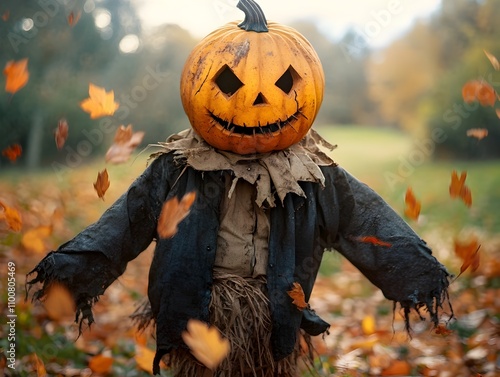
{"points": [[255, 130]]}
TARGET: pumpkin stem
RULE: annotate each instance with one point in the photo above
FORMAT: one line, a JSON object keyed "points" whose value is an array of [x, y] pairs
{"points": [[255, 20]]}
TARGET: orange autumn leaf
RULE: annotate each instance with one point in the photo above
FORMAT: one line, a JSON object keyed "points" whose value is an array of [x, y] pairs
{"points": [[12, 152], [39, 366], [125, 142], [33, 239], [413, 206], [493, 60], [101, 364], [458, 189], [475, 90], [17, 75], [498, 113], [59, 303], [478, 133], [172, 213], [397, 368], [297, 294], [206, 343], [6, 15], [442, 330], [61, 133], [368, 325], [73, 18], [100, 103], [11, 217], [468, 252], [374, 241], [144, 358], [101, 185]]}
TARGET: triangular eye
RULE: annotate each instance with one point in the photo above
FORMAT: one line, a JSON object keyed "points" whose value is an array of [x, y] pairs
{"points": [[227, 81], [285, 82]]}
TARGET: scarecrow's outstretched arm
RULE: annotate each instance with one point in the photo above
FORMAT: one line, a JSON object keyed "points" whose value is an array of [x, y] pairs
{"points": [[98, 255], [386, 250]]}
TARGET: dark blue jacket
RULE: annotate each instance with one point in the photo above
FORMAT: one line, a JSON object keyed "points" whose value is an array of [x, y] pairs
{"points": [[334, 217]]}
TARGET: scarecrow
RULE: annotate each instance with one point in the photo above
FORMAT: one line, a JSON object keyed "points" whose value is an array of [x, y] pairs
{"points": [[268, 203]]}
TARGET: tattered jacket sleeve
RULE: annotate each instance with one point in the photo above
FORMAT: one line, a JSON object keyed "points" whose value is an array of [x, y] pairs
{"points": [[401, 265], [98, 255]]}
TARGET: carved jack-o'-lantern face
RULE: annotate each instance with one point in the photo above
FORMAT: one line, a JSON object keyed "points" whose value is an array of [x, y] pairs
{"points": [[254, 87]]}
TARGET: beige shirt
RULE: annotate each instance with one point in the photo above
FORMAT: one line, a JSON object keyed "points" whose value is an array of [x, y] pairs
{"points": [[242, 242]]}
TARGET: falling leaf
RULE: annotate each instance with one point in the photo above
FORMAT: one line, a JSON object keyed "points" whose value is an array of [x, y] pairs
{"points": [[61, 133], [6, 15], [498, 113], [100, 103], [172, 213], [101, 364], [374, 241], [101, 185], [206, 343], [40, 366], [59, 303], [297, 294], [493, 60], [125, 142], [73, 18], [475, 90], [468, 252], [12, 152], [458, 189], [413, 206], [11, 217], [368, 325], [33, 239], [144, 358], [17, 75], [478, 133]]}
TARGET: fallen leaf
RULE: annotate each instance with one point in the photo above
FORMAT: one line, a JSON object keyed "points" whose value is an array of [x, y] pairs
{"points": [[172, 213], [493, 60], [40, 366], [12, 152], [478, 133], [73, 18], [61, 133], [397, 368], [101, 364], [11, 217], [458, 189], [413, 206], [144, 358], [17, 75], [101, 185], [206, 343], [468, 252], [125, 142], [297, 294], [59, 303], [374, 241], [33, 239], [442, 330], [100, 103]]}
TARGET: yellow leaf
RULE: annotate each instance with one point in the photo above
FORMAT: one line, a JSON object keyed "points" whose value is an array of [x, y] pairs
{"points": [[17, 75], [297, 294], [206, 343], [144, 358], [100, 103], [493, 60], [59, 303], [33, 239], [40, 366]]}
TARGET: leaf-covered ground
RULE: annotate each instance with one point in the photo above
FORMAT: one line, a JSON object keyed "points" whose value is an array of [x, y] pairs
{"points": [[366, 337]]}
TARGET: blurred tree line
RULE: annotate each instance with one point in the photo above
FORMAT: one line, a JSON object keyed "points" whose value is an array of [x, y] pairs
{"points": [[413, 84]]}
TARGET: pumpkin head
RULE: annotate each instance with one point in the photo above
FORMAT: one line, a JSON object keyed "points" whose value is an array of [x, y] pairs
{"points": [[255, 87]]}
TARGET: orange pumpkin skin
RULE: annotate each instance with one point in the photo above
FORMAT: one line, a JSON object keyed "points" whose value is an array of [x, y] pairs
{"points": [[249, 92]]}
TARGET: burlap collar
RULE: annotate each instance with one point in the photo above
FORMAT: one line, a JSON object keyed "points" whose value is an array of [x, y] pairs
{"points": [[279, 170]]}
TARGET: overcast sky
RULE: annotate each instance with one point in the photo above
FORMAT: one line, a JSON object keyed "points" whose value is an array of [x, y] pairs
{"points": [[378, 21]]}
